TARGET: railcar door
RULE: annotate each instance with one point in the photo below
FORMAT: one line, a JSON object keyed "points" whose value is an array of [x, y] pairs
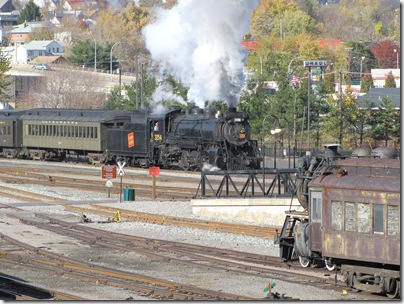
{"points": [[316, 208]]}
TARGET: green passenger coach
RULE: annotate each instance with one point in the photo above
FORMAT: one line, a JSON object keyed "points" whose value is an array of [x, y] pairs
{"points": [[54, 133]]}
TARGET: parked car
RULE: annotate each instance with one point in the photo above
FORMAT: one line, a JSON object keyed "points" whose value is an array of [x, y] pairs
{"points": [[41, 66]]}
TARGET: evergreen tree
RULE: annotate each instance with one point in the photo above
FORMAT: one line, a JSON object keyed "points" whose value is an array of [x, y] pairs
{"points": [[31, 12], [367, 82], [5, 82], [390, 82]]}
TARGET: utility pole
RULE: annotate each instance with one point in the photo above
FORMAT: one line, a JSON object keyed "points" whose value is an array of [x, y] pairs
{"points": [[341, 126]]}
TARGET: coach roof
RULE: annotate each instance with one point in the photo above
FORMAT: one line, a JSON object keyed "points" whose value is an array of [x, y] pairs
{"points": [[96, 115]]}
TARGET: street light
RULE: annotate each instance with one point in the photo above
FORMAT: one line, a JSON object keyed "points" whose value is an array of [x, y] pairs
{"points": [[110, 57], [290, 63], [288, 121], [395, 51], [260, 62], [274, 130], [362, 58]]}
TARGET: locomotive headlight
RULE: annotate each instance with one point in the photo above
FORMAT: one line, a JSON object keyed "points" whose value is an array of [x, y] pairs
{"points": [[242, 133], [238, 119]]}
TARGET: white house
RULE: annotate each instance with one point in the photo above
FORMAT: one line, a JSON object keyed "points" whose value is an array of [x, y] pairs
{"points": [[379, 77], [29, 51]]}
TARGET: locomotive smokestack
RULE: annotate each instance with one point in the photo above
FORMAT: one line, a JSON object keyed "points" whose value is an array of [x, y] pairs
{"points": [[232, 110]]}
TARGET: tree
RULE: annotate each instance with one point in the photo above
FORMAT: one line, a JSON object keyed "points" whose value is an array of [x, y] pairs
{"points": [[385, 54], [390, 81], [42, 33], [124, 26], [83, 53], [387, 122], [65, 89], [31, 12], [367, 82], [263, 18], [124, 97], [5, 82]]}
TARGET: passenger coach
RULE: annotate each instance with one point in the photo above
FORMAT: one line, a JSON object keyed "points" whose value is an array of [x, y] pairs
{"points": [[10, 132], [57, 133]]}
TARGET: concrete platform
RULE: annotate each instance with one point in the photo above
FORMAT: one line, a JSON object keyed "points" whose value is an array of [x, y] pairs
{"points": [[256, 211]]}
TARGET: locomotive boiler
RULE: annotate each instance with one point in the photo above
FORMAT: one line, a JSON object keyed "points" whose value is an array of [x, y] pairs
{"points": [[350, 219], [186, 139]]}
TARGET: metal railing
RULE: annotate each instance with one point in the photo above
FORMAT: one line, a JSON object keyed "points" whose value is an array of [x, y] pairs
{"points": [[247, 183]]}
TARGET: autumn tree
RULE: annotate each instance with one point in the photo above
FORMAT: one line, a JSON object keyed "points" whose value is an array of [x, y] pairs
{"points": [[124, 26], [263, 18], [42, 33], [31, 12], [385, 54]]}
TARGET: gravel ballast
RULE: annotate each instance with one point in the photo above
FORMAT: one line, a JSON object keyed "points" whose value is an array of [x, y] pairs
{"points": [[224, 281]]}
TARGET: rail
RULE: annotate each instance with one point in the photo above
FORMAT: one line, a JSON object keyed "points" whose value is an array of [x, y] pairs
{"points": [[247, 183]]}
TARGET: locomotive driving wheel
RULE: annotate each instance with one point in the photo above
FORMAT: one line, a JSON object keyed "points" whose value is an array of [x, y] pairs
{"points": [[184, 162]]}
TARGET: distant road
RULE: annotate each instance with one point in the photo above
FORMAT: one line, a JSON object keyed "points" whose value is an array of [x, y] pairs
{"points": [[111, 80]]}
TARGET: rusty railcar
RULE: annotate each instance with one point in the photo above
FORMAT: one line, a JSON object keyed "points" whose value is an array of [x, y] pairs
{"points": [[351, 223]]}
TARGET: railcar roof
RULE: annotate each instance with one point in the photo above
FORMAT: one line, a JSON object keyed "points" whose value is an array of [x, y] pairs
{"points": [[94, 115], [11, 114], [358, 182], [374, 174], [370, 162]]}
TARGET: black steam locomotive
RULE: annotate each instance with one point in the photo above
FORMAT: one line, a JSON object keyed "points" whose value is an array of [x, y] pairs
{"points": [[186, 139], [174, 138], [350, 219]]}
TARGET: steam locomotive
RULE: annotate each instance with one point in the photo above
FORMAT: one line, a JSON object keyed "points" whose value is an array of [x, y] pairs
{"points": [[174, 138], [350, 218]]}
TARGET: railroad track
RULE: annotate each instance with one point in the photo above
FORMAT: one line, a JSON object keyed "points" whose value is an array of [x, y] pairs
{"points": [[145, 285], [130, 215], [89, 178], [13, 289], [194, 255]]}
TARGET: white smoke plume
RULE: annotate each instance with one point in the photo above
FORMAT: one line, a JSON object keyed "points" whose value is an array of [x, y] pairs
{"points": [[164, 92], [199, 41]]}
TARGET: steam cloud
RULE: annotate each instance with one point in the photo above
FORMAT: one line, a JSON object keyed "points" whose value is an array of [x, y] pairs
{"points": [[199, 42]]}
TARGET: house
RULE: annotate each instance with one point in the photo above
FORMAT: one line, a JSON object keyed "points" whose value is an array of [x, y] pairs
{"points": [[7, 6], [379, 77], [376, 95], [73, 5], [29, 51], [52, 60], [9, 52], [20, 33]]}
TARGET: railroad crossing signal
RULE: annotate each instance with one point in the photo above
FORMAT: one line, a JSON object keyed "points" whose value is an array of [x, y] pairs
{"points": [[121, 171]]}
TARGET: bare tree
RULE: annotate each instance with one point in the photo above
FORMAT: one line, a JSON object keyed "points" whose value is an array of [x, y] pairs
{"points": [[66, 88]]}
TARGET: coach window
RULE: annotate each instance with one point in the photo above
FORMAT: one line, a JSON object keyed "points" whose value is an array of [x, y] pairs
{"points": [[336, 216], [350, 217], [316, 205], [364, 218], [393, 220], [378, 218]]}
